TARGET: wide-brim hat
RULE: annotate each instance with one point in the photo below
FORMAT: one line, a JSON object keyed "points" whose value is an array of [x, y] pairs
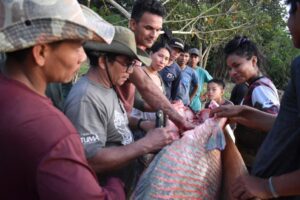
{"points": [[29, 22], [122, 44]]}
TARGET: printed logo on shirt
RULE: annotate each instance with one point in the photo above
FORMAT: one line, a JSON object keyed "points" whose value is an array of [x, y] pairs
{"points": [[121, 124], [170, 76], [89, 138]]}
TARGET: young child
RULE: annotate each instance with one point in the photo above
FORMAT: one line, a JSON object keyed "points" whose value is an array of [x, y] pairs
{"points": [[215, 91]]}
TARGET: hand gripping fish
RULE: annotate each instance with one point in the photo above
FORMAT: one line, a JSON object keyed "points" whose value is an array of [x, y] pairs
{"points": [[189, 168]]}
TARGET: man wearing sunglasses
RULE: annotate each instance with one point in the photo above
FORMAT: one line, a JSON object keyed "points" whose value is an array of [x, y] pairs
{"points": [[99, 116]]}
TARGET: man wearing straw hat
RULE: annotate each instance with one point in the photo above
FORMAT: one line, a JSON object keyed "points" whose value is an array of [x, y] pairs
{"points": [[98, 114], [41, 154]]}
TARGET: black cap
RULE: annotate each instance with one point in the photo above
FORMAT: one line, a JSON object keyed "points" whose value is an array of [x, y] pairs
{"points": [[177, 43], [194, 51]]}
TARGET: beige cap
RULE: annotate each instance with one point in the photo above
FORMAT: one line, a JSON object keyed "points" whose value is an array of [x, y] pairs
{"points": [[24, 23]]}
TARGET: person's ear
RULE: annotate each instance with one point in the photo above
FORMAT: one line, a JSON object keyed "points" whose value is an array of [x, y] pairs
{"points": [[132, 24], [102, 62], [254, 60], [39, 53]]}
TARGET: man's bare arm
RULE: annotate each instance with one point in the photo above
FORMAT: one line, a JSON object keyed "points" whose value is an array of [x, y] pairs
{"points": [[111, 158], [250, 187], [248, 116], [145, 125], [155, 98]]}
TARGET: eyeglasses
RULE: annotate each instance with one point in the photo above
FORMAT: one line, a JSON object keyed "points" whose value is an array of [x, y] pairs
{"points": [[129, 65]]}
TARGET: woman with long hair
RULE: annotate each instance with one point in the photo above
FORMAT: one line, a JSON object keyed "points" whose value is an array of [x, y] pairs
{"points": [[244, 61]]}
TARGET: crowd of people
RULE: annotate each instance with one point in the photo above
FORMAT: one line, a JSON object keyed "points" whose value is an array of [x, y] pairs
{"points": [[92, 142]]}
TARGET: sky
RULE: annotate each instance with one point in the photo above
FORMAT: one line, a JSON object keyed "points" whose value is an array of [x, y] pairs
{"points": [[287, 9]]}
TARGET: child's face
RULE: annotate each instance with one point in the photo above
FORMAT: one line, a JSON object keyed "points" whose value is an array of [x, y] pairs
{"points": [[214, 91]]}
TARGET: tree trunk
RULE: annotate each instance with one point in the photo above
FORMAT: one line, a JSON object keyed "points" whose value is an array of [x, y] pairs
{"points": [[205, 55]]}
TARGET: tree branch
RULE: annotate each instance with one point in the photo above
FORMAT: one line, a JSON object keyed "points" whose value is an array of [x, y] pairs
{"points": [[225, 29], [212, 31], [206, 54], [165, 2], [120, 8], [207, 16], [201, 14], [174, 8]]}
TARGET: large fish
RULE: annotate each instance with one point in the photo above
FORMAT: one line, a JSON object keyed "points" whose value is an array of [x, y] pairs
{"points": [[189, 168]]}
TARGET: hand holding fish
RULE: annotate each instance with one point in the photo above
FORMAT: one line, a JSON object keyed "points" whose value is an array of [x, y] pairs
{"points": [[228, 111], [186, 125], [158, 138], [245, 115]]}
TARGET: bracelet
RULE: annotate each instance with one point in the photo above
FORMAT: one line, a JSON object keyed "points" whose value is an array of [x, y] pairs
{"points": [[272, 189], [138, 125]]}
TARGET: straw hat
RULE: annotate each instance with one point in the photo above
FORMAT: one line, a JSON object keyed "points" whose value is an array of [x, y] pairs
{"points": [[123, 44], [24, 23]]}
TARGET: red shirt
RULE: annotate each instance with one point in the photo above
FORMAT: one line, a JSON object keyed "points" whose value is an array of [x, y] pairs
{"points": [[41, 154], [126, 95]]}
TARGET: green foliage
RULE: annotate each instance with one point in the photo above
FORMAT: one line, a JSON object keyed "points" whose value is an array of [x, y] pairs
{"points": [[116, 20], [280, 53], [83, 69], [203, 23], [268, 30]]}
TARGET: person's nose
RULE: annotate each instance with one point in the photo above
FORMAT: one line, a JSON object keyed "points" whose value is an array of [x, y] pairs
{"points": [[165, 62], [156, 33], [152, 34], [162, 61], [232, 72]]}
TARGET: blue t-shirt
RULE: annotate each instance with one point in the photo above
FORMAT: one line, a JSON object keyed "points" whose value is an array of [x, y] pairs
{"points": [[171, 78], [188, 78], [203, 77], [280, 151]]}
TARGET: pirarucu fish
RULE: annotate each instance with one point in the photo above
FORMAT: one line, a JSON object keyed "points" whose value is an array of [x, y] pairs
{"points": [[189, 168]]}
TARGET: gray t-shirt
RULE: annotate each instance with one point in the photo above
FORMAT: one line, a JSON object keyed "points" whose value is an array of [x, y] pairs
{"points": [[98, 115]]}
